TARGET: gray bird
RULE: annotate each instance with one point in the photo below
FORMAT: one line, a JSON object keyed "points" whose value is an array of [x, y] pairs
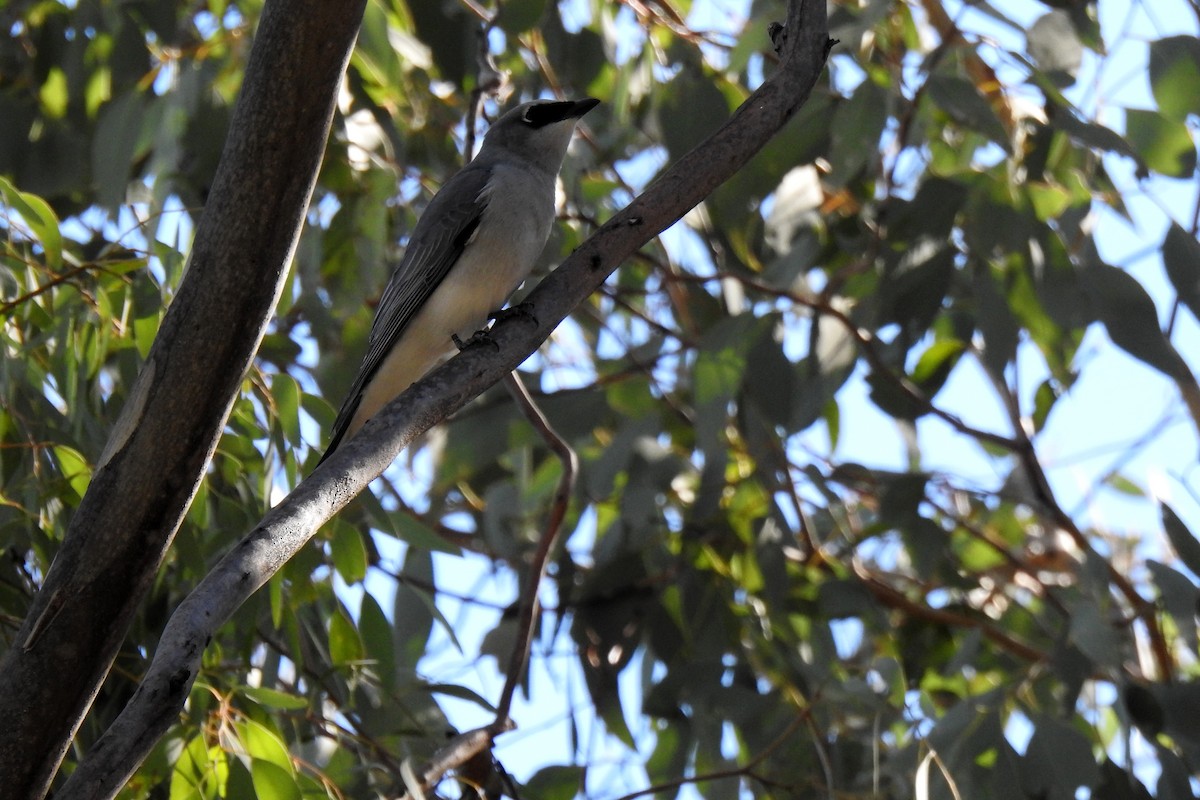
{"points": [[476, 242]]}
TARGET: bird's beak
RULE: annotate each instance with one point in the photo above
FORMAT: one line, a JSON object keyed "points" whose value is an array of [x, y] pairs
{"points": [[581, 107]]}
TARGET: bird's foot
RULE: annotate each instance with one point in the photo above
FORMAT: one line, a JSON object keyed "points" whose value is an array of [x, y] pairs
{"points": [[476, 338], [523, 309]]}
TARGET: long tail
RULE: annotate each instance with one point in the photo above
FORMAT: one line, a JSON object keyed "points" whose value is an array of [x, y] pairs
{"points": [[342, 424]]}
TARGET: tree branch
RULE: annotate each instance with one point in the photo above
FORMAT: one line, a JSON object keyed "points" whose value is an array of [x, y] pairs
{"points": [[529, 606], [287, 527]]}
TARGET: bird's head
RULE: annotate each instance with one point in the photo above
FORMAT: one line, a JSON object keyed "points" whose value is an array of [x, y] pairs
{"points": [[537, 132]]}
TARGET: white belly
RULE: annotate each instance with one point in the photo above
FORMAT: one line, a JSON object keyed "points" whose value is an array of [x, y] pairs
{"points": [[491, 267]]}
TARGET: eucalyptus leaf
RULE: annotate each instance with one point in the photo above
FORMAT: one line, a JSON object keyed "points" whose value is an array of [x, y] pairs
{"points": [[1174, 75], [1181, 257], [1165, 144]]}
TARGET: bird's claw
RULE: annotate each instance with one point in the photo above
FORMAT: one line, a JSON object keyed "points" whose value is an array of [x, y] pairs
{"points": [[476, 338]]}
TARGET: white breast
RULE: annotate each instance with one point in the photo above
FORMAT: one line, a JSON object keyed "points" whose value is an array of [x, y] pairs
{"points": [[500, 255]]}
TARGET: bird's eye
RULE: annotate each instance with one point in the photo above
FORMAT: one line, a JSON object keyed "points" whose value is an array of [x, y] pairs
{"points": [[541, 114]]}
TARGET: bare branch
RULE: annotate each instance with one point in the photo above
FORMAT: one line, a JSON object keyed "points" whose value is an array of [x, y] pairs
{"points": [[529, 607]]}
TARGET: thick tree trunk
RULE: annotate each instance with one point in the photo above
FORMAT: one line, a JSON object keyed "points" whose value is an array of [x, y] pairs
{"points": [[169, 428]]}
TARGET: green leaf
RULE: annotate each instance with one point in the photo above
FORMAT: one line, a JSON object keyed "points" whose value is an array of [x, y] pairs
{"points": [[1049, 200], [40, 218], [273, 698], [860, 122], [272, 782], [690, 108], [1043, 402], [578, 57], [450, 32], [349, 553], [1094, 635], [199, 773], [286, 393], [1180, 597], [914, 289], [721, 362], [345, 646], [555, 783], [275, 590], [1182, 540], [1062, 756], [1092, 134], [463, 693], [263, 744], [934, 365], [995, 319], [1181, 257], [412, 614], [518, 16], [54, 93], [412, 530], [376, 634], [1175, 782], [1165, 144], [1144, 709], [1175, 76], [114, 146], [959, 98], [74, 468], [1130, 317]]}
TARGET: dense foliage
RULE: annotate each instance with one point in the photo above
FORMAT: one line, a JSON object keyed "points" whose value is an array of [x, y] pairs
{"points": [[748, 607]]}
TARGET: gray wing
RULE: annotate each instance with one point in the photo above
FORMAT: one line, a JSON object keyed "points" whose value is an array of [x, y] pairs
{"points": [[441, 235]]}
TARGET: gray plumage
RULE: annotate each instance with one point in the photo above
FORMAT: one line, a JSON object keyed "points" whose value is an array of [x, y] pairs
{"points": [[476, 242]]}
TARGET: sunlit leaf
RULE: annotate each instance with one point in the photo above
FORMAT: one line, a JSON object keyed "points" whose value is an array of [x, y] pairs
{"points": [[272, 782], [1165, 144], [273, 698], [74, 467], [41, 219]]}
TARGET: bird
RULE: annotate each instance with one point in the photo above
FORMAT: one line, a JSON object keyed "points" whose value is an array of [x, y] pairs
{"points": [[475, 243]]}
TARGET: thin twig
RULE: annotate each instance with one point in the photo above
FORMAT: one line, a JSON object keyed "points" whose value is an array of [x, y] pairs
{"points": [[894, 598], [529, 607]]}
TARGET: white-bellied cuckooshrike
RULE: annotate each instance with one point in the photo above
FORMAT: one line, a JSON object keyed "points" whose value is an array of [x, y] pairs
{"points": [[476, 242]]}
